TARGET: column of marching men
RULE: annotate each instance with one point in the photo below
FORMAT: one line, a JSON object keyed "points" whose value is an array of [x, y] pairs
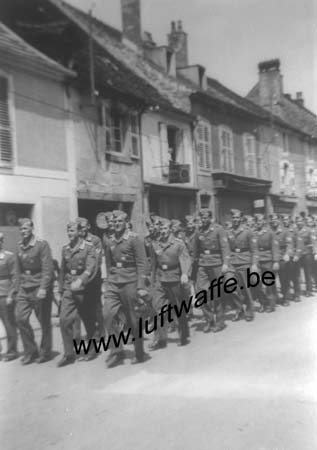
{"points": [[107, 284]]}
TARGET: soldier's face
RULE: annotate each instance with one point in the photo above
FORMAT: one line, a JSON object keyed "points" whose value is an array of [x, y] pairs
{"points": [[175, 228], [26, 230], [150, 228], [286, 223], [309, 222], [83, 231], [190, 226], [73, 233], [156, 226], [274, 223], [205, 220], [120, 224], [165, 231], [236, 220], [259, 224]]}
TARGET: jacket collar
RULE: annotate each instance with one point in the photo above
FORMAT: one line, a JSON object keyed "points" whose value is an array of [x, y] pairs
{"points": [[31, 243]]}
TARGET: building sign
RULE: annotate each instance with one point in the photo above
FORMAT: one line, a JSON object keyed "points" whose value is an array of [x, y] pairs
{"points": [[179, 173], [259, 203]]}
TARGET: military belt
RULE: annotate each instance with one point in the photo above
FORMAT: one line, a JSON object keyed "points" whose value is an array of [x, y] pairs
{"points": [[211, 252], [122, 264], [262, 249], [31, 271], [241, 250], [167, 267]]}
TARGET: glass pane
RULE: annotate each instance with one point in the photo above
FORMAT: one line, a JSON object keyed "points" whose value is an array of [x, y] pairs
{"points": [[135, 146]]}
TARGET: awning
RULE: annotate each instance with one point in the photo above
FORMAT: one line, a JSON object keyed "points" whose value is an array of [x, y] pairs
{"points": [[229, 181]]}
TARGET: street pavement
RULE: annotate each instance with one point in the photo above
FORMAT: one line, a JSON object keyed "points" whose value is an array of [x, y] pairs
{"points": [[250, 387]]}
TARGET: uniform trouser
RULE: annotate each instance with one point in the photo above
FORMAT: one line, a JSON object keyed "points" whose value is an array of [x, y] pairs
{"points": [[242, 296], [284, 277], [26, 303], [119, 310], [170, 293], [292, 275], [8, 318], [266, 294], [306, 262], [213, 311], [93, 297]]}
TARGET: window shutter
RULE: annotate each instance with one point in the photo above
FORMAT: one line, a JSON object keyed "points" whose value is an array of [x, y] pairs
{"points": [[165, 156], [5, 128]]}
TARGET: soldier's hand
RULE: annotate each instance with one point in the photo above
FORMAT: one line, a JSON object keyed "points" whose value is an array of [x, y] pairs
{"points": [[276, 267], [142, 292], [286, 258], [295, 259], [315, 257], [224, 268], [76, 285], [254, 268], [184, 278], [103, 286], [9, 300], [41, 294]]}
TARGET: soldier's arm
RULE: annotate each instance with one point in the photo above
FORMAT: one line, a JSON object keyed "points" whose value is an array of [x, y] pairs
{"points": [[299, 244], [46, 265], [61, 277], [17, 270], [313, 239], [275, 246], [253, 246], [289, 244], [184, 259], [196, 252], [153, 265], [140, 261], [11, 267], [90, 265], [224, 245]]}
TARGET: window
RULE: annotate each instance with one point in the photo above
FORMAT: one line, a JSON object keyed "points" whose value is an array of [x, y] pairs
{"points": [[134, 135], [122, 130], [226, 149], [287, 177], [203, 139], [6, 154], [249, 155], [285, 144]]}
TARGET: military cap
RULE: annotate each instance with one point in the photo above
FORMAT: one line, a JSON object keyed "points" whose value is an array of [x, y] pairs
{"points": [[74, 223], [156, 219], [235, 212], [189, 219], [285, 216], [121, 214], [24, 221], [165, 222], [108, 215], [273, 217], [82, 221], [204, 211], [258, 217], [175, 222]]}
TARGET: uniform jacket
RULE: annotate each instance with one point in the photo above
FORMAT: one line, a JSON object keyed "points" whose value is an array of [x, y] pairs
{"points": [[77, 262], [189, 240], [170, 260], [306, 241], [285, 242], [211, 247], [6, 273], [34, 265], [243, 246], [126, 259], [268, 246], [96, 242]]}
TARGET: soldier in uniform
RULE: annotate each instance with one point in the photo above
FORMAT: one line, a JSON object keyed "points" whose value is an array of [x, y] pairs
{"points": [[78, 264], [93, 290], [308, 252], [243, 256], [127, 272], [268, 260], [211, 257], [171, 267], [286, 249], [177, 228], [6, 301], [34, 286], [292, 273]]}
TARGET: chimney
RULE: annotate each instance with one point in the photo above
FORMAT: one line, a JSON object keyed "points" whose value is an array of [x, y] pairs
{"points": [[177, 40], [270, 83], [131, 20], [299, 99]]}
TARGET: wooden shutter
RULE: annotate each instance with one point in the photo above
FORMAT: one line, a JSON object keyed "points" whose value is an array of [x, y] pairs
{"points": [[165, 156], [5, 126]]}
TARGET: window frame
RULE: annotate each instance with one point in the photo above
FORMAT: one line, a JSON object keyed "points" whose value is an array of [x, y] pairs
{"points": [[206, 146], [248, 155], [229, 150]]}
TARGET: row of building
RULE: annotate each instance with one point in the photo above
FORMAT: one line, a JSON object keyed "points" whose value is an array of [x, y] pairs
{"points": [[95, 119]]}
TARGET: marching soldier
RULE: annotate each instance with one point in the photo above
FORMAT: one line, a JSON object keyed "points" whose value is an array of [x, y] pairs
{"points": [[308, 252], [6, 301], [34, 286], [127, 272], [211, 258], [243, 256], [293, 272], [93, 290], [268, 260], [77, 267], [286, 249], [171, 267]]}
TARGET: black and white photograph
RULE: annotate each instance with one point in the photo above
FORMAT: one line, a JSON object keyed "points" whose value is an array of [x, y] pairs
{"points": [[158, 224]]}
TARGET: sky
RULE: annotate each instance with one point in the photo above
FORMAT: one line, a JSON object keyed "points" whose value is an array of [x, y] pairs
{"points": [[230, 37]]}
